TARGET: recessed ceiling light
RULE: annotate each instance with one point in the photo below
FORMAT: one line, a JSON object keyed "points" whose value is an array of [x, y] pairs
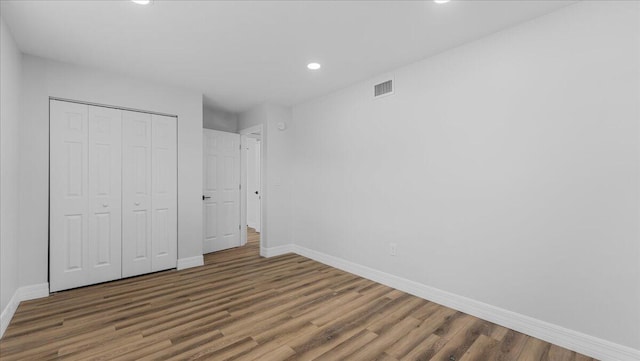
{"points": [[314, 66], [142, 2], [441, 1]]}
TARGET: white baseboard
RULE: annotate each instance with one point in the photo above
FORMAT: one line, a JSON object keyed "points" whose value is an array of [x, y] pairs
{"points": [[276, 251], [22, 294], [8, 312], [585, 344], [34, 291], [189, 262]]}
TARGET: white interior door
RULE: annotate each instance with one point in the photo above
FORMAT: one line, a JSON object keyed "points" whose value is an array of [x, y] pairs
{"points": [[164, 200], [253, 183], [221, 190], [136, 193], [85, 218]]}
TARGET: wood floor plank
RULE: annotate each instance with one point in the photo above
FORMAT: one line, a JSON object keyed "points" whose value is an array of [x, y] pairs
{"points": [[386, 337], [346, 348], [242, 307], [534, 350], [423, 350], [511, 346], [558, 353], [333, 333], [482, 349], [428, 326], [460, 341], [282, 353]]}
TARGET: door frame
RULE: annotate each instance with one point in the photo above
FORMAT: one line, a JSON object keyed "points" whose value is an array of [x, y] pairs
{"points": [[252, 141], [243, 181]]}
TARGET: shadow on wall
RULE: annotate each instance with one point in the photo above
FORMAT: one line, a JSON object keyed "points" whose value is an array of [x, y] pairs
{"points": [[219, 120]]}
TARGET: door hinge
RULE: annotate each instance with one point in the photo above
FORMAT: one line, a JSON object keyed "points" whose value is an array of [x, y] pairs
{"points": [[239, 186]]}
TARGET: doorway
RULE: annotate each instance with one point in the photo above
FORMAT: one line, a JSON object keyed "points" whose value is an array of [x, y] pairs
{"points": [[253, 181], [252, 176]]}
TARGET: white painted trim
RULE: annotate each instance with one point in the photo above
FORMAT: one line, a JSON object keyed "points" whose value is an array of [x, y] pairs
{"points": [[22, 294], [189, 262], [276, 251], [8, 312], [110, 106], [34, 291], [252, 129], [243, 190], [570, 339]]}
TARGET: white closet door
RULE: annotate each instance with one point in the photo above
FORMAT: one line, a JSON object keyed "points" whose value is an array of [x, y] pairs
{"points": [[84, 195], [164, 230], [221, 191], [136, 193], [105, 193]]}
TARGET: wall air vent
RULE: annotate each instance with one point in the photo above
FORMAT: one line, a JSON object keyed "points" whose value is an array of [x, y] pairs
{"points": [[382, 89]]}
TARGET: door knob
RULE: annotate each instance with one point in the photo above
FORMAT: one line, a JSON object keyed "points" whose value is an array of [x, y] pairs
{"points": [[105, 205], [205, 197], [256, 192], [137, 203]]}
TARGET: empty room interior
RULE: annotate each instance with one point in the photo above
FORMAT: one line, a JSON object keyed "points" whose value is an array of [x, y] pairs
{"points": [[435, 180]]}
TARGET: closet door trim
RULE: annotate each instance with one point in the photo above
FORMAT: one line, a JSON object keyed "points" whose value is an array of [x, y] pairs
{"points": [[111, 106]]}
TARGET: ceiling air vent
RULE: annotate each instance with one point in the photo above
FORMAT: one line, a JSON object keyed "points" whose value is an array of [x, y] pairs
{"points": [[382, 89]]}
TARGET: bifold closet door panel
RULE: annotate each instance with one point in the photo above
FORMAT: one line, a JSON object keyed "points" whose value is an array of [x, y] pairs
{"points": [[136, 193], [164, 200], [69, 182], [84, 214], [105, 192]]}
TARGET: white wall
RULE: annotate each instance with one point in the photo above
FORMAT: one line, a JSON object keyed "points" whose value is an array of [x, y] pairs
{"points": [[10, 75], [277, 171], [43, 79], [507, 171], [220, 120], [252, 117], [279, 175]]}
